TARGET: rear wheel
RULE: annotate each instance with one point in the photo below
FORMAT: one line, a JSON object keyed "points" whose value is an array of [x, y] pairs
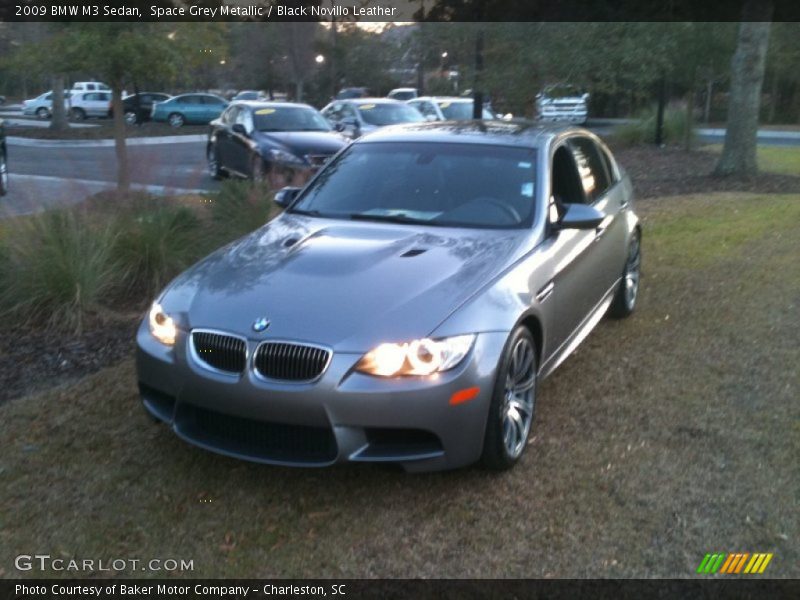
{"points": [[3, 174], [624, 301], [513, 402], [176, 120]]}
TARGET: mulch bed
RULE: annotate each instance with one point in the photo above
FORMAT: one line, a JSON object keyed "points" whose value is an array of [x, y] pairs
{"points": [[33, 359], [672, 171]]}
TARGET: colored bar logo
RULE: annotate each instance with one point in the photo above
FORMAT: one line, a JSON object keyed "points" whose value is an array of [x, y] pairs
{"points": [[734, 563]]}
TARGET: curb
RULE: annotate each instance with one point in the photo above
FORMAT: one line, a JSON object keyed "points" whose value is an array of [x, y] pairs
{"points": [[142, 141]]}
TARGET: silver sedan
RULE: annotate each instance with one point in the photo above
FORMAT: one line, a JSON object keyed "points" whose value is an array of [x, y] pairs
{"points": [[405, 305]]}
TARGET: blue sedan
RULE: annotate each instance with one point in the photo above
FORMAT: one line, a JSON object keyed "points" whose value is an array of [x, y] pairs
{"points": [[189, 109]]}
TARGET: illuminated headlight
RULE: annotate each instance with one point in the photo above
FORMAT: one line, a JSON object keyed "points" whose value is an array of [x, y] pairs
{"points": [[285, 157], [418, 357], [161, 325]]}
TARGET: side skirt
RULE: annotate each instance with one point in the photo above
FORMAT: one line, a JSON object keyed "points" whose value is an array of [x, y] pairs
{"points": [[580, 334]]}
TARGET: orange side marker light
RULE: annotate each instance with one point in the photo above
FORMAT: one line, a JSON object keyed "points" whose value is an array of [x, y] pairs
{"points": [[464, 395]]}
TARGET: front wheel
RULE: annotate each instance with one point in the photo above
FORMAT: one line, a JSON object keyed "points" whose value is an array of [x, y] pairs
{"points": [[624, 302], [3, 174], [43, 113], [176, 120], [77, 114], [513, 402], [130, 118]]}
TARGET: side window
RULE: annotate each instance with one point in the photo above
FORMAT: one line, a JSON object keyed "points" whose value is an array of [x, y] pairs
{"points": [[591, 168], [609, 163], [426, 108], [244, 118], [566, 184], [229, 116], [348, 112]]}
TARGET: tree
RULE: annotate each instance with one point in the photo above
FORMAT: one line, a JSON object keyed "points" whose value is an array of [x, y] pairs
{"points": [[747, 76]]}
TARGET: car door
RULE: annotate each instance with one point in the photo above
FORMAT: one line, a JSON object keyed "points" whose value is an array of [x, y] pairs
{"points": [[190, 107], [241, 143], [222, 137], [99, 105], [574, 288], [609, 250]]}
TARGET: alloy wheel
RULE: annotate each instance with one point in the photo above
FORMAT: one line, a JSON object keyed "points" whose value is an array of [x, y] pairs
{"points": [[519, 396]]}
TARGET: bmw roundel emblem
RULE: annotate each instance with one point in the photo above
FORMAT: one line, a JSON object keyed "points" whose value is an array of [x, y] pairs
{"points": [[261, 324]]}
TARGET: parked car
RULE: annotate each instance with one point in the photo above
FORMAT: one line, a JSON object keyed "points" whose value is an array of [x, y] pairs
{"points": [[3, 160], [562, 103], [42, 105], [194, 109], [352, 92], [138, 107], [405, 305], [447, 108], [403, 94], [358, 116], [278, 141], [250, 95], [83, 105], [2, 100], [90, 86]]}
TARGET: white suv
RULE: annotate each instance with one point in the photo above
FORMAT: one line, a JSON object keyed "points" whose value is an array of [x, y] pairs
{"points": [[90, 86], [562, 103]]}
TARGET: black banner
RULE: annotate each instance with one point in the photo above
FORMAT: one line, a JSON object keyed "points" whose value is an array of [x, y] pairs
{"points": [[171, 589], [387, 10]]}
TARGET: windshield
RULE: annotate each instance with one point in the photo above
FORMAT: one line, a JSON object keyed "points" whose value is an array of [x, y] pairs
{"points": [[389, 114], [404, 95], [562, 91], [440, 184], [460, 111], [289, 118]]}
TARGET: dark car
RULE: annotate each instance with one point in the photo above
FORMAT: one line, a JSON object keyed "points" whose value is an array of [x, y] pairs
{"points": [[282, 142], [353, 92], [137, 107], [3, 163]]}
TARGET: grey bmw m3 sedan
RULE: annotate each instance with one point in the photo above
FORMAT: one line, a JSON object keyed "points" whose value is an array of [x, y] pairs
{"points": [[405, 305]]}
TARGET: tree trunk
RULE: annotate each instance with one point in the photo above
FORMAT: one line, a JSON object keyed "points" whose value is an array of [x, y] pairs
{"points": [[123, 172], [709, 93], [58, 113], [747, 77]]}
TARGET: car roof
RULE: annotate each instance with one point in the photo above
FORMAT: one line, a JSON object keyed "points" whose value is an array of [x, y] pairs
{"points": [[270, 104], [359, 101], [497, 133], [442, 99]]}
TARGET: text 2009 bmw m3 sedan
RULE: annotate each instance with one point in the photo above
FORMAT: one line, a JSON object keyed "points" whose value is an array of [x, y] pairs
{"points": [[404, 306]]}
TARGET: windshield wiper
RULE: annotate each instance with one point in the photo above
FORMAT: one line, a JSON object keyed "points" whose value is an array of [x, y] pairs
{"points": [[395, 218], [300, 211]]}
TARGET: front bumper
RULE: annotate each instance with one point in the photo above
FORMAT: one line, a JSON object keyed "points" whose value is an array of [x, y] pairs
{"points": [[342, 417]]}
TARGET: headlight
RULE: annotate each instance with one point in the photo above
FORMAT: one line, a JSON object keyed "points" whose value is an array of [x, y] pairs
{"points": [[418, 357], [162, 326], [285, 157]]}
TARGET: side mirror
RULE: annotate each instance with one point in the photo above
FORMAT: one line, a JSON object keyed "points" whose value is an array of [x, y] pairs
{"points": [[339, 126], [285, 196], [580, 216], [350, 122], [239, 128]]}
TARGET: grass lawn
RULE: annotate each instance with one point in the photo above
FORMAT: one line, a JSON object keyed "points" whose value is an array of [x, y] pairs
{"points": [[784, 160], [666, 436]]}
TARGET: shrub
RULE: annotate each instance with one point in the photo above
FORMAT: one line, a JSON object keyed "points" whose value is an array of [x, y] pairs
{"points": [[156, 241], [57, 269], [643, 129], [239, 208]]}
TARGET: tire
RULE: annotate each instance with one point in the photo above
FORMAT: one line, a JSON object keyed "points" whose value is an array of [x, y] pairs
{"points": [[176, 120], [627, 294], [77, 114], [42, 113], [3, 173], [511, 412], [130, 117], [214, 168]]}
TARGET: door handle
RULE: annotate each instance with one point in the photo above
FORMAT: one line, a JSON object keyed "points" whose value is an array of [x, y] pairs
{"points": [[544, 293]]}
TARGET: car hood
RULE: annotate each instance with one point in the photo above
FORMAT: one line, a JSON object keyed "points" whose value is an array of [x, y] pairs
{"points": [[346, 285], [302, 142]]}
